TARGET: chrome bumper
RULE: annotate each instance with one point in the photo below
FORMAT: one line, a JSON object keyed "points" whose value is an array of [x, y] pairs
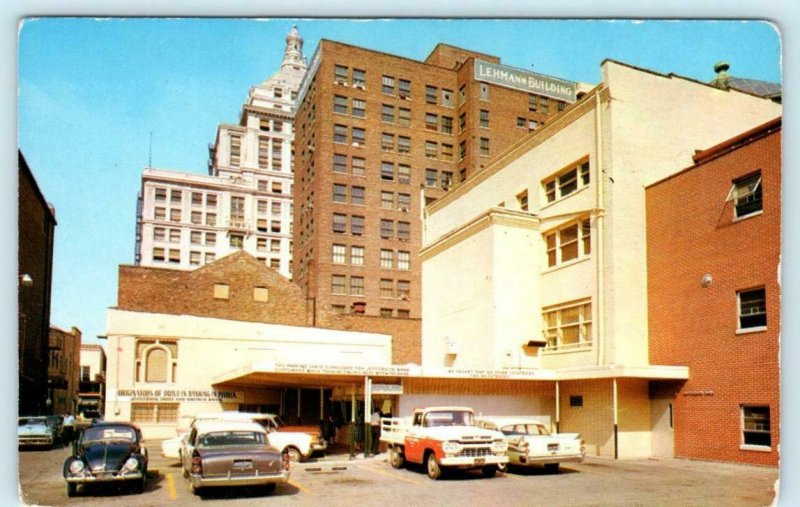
{"points": [[103, 477], [199, 481], [469, 462]]}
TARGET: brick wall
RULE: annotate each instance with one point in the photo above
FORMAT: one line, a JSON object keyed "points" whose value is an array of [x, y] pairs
{"points": [[690, 233]]}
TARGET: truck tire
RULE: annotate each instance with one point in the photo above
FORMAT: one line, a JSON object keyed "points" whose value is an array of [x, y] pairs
{"points": [[396, 458], [489, 471], [432, 466]]}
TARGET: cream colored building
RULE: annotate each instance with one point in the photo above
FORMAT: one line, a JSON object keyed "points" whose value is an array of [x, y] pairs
{"points": [[538, 263]]}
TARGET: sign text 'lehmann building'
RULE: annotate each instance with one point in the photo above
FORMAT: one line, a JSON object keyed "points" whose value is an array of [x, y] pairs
{"points": [[530, 82]]}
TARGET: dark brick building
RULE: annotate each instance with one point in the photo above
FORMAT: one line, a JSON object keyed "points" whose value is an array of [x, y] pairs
{"points": [[36, 225], [713, 242], [379, 136]]}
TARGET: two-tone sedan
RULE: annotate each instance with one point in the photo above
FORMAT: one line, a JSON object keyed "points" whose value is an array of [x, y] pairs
{"points": [[109, 452], [530, 443], [231, 453]]}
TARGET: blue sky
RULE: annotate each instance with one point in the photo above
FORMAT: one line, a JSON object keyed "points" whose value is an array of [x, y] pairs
{"points": [[91, 92]]}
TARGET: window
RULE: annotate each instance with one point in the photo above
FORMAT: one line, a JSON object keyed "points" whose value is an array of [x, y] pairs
{"points": [[357, 255], [236, 149], [567, 182], [263, 124], [403, 289], [339, 163], [484, 146], [356, 285], [261, 294], [387, 142], [747, 195], [521, 122], [277, 93], [261, 244], [159, 254], [431, 177], [752, 309], [403, 144], [386, 312], [462, 94], [484, 91], [387, 228], [211, 200], [359, 108], [462, 175], [561, 105], [211, 239], [431, 121], [447, 97], [405, 88], [154, 412], [755, 426], [161, 194], [339, 134], [357, 195], [576, 400], [404, 202], [357, 225], [462, 151], [387, 259], [533, 103], [431, 93], [462, 122], [237, 241], [358, 136], [358, 166], [568, 326], [565, 244], [403, 231], [403, 116], [194, 258], [387, 85], [338, 284], [522, 200], [210, 257], [404, 174], [339, 104], [386, 288], [159, 234], [276, 208], [174, 235], [340, 74], [447, 125], [431, 149], [175, 215], [403, 260], [275, 246], [237, 208], [196, 237], [387, 113], [544, 105], [447, 179], [275, 226], [339, 193], [359, 78], [387, 200], [339, 223], [277, 126], [403, 314], [484, 118], [261, 224], [387, 171]]}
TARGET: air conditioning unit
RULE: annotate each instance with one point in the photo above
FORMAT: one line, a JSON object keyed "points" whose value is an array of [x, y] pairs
{"points": [[404, 209], [359, 86], [404, 96], [354, 143]]}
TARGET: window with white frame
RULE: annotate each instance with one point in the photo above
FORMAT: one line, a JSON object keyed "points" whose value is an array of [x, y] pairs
{"points": [[356, 285], [568, 326], [156, 360], [359, 108], [566, 182], [338, 285], [746, 195], [569, 242], [752, 309], [387, 259], [357, 255], [403, 260], [154, 412], [756, 426]]}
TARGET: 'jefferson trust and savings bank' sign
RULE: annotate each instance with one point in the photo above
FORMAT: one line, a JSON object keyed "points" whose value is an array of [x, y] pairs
{"points": [[525, 81]]}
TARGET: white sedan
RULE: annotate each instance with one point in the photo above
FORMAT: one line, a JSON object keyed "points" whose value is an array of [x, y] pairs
{"points": [[531, 443]]}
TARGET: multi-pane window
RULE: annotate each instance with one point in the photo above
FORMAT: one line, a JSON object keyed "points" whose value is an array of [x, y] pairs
{"points": [[211, 239], [357, 195], [756, 426], [387, 312], [237, 208], [359, 108], [211, 200], [339, 104], [561, 105], [359, 78], [339, 193], [533, 102], [403, 231], [403, 314], [447, 97], [339, 223], [403, 260], [447, 179], [431, 121], [340, 74], [462, 122], [211, 219], [567, 182], [403, 116], [746, 195], [194, 258], [358, 136], [404, 174], [387, 113], [339, 254], [196, 237], [387, 171], [404, 85], [521, 122], [357, 255], [154, 412], [338, 284], [462, 94], [387, 259], [431, 149], [484, 91], [522, 200], [387, 85], [403, 289], [263, 152], [544, 105], [569, 242], [236, 149], [431, 177], [447, 151], [403, 201], [161, 194], [356, 285], [431, 94], [175, 215], [236, 241], [484, 118], [387, 141], [568, 326], [357, 225], [484, 146], [174, 256], [174, 235], [175, 196], [340, 134], [403, 144], [275, 246], [752, 309], [261, 244], [387, 228], [159, 234], [276, 208], [357, 164], [386, 288], [387, 200], [339, 163], [447, 125]]}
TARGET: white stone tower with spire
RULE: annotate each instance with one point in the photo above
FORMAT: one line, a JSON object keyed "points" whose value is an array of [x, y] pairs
{"points": [[245, 203]]}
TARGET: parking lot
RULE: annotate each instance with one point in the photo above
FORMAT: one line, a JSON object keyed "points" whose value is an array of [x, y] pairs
{"points": [[337, 480]]}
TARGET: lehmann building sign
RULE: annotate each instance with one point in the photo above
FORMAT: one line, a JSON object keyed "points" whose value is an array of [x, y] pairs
{"points": [[526, 81]]}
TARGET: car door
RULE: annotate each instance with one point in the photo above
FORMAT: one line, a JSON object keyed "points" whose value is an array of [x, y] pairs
{"points": [[187, 448]]}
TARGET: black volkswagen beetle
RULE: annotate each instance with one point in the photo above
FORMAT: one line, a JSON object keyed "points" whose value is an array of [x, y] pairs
{"points": [[107, 452]]}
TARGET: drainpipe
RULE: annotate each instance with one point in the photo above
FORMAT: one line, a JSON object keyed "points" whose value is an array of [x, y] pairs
{"points": [[367, 416], [558, 407], [616, 419], [353, 422], [599, 228]]}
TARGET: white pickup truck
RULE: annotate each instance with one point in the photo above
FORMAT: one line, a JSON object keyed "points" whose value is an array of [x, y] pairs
{"points": [[442, 438]]}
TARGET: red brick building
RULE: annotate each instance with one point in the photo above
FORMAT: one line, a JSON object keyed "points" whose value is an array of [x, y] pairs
{"points": [[713, 242], [378, 136]]}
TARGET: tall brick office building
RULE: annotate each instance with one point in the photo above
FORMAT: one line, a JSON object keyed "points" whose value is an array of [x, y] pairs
{"points": [[713, 242], [378, 136]]}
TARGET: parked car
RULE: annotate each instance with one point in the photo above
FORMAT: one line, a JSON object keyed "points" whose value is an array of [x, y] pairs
{"points": [[299, 442], [530, 443], [56, 423], [34, 432], [231, 453], [107, 452]]}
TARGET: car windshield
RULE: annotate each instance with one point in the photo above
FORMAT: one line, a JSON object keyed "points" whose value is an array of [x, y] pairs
{"points": [[524, 429], [109, 434], [228, 438], [31, 421], [448, 418]]}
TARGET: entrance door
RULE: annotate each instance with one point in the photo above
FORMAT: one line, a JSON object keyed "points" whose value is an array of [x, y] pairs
{"points": [[663, 435]]}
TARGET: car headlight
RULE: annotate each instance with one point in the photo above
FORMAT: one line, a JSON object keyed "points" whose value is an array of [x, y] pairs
{"points": [[499, 446], [131, 464], [451, 447], [76, 467]]}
